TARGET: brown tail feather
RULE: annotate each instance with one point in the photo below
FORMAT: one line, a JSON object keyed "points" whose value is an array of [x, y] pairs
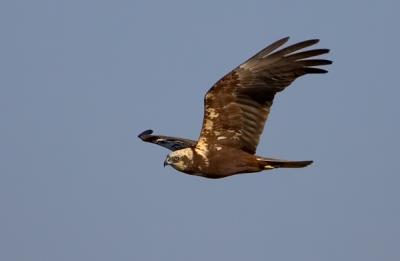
{"points": [[277, 163]]}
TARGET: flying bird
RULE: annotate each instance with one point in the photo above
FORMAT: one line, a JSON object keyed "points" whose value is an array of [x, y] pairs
{"points": [[235, 111]]}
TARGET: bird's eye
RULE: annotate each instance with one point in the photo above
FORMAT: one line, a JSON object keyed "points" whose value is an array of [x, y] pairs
{"points": [[175, 158]]}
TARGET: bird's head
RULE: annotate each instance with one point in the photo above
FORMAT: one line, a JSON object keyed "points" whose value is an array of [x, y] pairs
{"points": [[180, 159]]}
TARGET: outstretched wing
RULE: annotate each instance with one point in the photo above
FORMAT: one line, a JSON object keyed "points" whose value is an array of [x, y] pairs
{"points": [[237, 106], [171, 143]]}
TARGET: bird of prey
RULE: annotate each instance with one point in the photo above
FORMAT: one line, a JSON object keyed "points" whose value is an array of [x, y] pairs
{"points": [[235, 111]]}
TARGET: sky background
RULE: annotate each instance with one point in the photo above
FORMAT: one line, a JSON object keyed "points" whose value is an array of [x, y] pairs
{"points": [[80, 79]]}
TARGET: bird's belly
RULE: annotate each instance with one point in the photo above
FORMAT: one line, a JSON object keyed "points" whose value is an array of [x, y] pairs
{"points": [[223, 163]]}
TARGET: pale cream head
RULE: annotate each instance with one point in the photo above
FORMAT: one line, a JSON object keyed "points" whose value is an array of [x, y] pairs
{"points": [[179, 159]]}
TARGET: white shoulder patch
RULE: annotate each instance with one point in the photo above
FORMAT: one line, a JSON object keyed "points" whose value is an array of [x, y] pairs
{"points": [[212, 114], [202, 150], [183, 152]]}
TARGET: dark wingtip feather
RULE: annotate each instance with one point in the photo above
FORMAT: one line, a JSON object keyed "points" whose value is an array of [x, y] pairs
{"points": [[295, 47], [314, 62], [272, 47], [307, 54], [144, 134], [314, 70], [285, 39], [312, 41], [307, 43]]}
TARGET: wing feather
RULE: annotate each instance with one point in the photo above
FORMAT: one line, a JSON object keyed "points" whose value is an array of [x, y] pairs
{"points": [[171, 143], [237, 106]]}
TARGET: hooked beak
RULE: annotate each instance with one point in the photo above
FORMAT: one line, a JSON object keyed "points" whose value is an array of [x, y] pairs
{"points": [[166, 162]]}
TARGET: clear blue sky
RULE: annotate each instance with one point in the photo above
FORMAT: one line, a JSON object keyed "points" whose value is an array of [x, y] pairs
{"points": [[80, 79]]}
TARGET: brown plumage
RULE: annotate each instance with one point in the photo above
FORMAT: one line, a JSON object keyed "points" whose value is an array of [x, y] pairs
{"points": [[235, 111]]}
